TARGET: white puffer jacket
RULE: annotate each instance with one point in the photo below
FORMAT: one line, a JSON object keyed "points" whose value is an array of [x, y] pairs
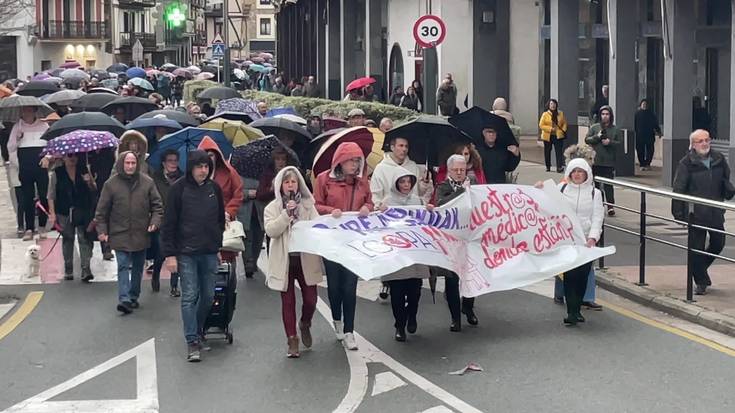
{"points": [[585, 199]]}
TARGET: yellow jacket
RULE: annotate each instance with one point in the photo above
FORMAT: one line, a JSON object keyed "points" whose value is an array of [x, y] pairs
{"points": [[546, 126]]}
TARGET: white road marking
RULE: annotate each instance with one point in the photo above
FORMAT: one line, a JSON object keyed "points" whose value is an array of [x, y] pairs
{"points": [[438, 409], [385, 382], [146, 400], [5, 308]]}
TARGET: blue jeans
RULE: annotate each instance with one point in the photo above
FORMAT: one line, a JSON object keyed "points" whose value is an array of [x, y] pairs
{"points": [[197, 274], [128, 281], [342, 291], [589, 292]]}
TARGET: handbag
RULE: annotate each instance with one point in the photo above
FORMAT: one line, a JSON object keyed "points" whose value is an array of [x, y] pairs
{"points": [[233, 236]]}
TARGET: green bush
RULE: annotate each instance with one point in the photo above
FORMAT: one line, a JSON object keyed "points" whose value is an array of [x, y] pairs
{"points": [[192, 88]]}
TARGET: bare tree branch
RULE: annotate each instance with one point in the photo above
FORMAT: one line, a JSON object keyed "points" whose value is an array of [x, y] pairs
{"points": [[9, 9]]}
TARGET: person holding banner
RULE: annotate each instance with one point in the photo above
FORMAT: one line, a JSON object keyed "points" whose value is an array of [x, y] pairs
{"points": [[586, 201], [456, 184], [293, 201], [344, 187], [405, 292]]}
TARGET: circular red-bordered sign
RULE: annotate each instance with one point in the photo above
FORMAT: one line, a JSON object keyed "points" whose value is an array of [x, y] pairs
{"points": [[429, 31]]}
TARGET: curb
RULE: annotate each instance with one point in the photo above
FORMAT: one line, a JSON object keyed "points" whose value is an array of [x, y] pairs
{"points": [[713, 320]]}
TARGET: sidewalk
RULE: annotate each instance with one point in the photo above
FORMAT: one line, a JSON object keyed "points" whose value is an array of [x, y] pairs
{"points": [[666, 289]]}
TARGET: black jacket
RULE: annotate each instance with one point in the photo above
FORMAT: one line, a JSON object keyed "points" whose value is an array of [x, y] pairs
{"points": [[646, 125], [445, 192], [194, 219], [695, 179], [496, 161]]}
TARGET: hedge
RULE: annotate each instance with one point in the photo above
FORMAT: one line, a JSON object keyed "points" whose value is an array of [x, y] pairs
{"points": [[192, 89]]}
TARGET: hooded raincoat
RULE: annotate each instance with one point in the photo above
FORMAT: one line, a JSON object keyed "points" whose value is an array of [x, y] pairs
{"points": [[226, 177], [278, 227], [333, 190], [134, 138], [584, 199]]}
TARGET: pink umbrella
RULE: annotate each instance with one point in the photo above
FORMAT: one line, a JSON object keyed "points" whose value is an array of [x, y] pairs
{"points": [[205, 76], [70, 64], [151, 72], [258, 59], [183, 73], [266, 56]]}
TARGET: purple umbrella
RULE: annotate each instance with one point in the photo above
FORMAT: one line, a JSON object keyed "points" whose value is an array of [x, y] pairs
{"points": [[79, 141], [183, 73], [41, 76], [70, 64]]}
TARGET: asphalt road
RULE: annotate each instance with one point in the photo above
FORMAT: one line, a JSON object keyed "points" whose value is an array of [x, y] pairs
{"points": [[531, 361]]}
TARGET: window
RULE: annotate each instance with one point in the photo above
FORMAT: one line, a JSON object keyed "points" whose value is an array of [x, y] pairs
{"points": [[265, 27], [264, 2]]}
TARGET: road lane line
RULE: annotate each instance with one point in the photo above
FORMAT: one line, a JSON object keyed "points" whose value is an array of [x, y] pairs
{"points": [[30, 302], [670, 329]]}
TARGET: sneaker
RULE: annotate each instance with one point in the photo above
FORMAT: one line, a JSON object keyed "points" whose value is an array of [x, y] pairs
{"points": [[384, 291], [580, 318], [87, 276], [68, 276], [194, 355], [42, 233], [591, 306], [203, 343], [19, 232], [338, 329], [134, 304], [107, 256], [700, 290], [175, 292], [306, 338], [570, 321], [610, 212], [28, 236], [125, 307], [350, 342], [559, 300], [293, 347]]}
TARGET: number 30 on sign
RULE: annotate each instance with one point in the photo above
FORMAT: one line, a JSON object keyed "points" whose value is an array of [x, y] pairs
{"points": [[429, 31]]}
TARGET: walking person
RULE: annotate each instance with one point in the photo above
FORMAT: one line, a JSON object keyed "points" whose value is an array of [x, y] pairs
{"points": [[191, 238], [581, 195], [405, 292], [646, 130], [497, 160], [456, 184], [293, 202], [343, 187], [553, 127], [603, 137], [128, 210], [164, 178], [16, 190], [71, 201], [25, 140], [446, 97], [704, 173]]}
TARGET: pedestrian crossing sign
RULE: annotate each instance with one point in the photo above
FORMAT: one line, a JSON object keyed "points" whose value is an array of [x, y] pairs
{"points": [[218, 50]]}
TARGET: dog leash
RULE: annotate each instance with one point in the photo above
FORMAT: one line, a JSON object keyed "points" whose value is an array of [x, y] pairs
{"points": [[57, 227]]}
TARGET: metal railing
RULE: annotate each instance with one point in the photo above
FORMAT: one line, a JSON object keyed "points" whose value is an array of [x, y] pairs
{"points": [[137, 3], [643, 237], [73, 29], [128, 39]]}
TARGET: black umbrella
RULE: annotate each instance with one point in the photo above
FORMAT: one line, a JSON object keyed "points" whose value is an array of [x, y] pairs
{"points": [[133, 106], [219, 92], [210, 69], [475, 119], [118, 68], [183, 118], [232, 116], [427, 136], [100, 74], [284, 128], [251, 160], [38, 88], [92, 102], [85, 120]]}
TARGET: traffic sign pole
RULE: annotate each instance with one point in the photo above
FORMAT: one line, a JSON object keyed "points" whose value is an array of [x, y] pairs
{"points": [[226, 29]]}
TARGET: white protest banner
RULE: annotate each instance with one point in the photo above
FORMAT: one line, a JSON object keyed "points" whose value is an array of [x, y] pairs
{"points": [[496, 237]]}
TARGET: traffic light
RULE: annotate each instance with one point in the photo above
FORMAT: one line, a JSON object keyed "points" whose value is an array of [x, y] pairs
{"points": [[175, 14]]}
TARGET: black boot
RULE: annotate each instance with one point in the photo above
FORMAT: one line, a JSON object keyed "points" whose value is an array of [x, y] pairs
{"points": [[456, 326], [400, 334], [156, 284], [468, 305]]}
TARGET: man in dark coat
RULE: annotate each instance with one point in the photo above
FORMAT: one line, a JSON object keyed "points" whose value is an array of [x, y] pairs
{"points": [[646, 130], [497, 160], [604, 138], [164, 178], [704, 173]]}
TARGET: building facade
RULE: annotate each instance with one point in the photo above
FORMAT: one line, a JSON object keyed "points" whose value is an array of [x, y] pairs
{"points": [[251, 26]]}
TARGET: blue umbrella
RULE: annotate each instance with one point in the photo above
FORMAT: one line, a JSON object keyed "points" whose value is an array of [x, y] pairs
{"points": [[117, 68], [135, 72], [281, 111], [187, 140]]}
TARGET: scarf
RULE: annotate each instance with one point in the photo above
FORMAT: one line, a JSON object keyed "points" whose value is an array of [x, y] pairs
{"points": [[456, 186], [296, 198], [173, 176]]}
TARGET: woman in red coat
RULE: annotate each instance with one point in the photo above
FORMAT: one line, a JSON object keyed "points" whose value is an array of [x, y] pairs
{"points": [[474, 166]]}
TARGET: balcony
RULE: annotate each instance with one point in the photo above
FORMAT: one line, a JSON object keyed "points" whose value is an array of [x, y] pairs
{"points": [[136, 4], [200, 38], [198, 4], [72, 29], [128, 39], [213, 10]]}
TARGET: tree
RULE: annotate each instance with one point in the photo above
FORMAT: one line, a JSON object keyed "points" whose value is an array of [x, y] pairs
{"points": [[9, 9]]}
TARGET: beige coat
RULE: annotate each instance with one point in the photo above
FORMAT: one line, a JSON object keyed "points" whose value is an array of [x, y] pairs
{"points": [[278, 228]]}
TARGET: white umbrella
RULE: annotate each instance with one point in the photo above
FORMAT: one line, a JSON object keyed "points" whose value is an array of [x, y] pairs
{"points": [[63, 97], [194, 69], [74, 74], [205, 76]]}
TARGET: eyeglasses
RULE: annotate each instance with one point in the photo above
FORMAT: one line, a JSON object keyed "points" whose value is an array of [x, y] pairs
{"points": [[700, 141], [458, 170]]}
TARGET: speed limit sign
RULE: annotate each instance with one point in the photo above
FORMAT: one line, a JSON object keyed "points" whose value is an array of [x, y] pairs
{"points": [[429, 31]]}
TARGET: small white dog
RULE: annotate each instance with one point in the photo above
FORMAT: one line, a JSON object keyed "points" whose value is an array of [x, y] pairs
{"points": [[33, 260]]}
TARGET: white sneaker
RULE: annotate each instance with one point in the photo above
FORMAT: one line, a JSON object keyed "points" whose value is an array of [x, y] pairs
{"points": [[350, 342], [338, 330]]}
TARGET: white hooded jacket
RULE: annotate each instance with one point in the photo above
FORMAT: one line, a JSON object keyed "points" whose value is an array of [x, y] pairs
{"points": [[396, 197], [383, 178], [584, 199]]}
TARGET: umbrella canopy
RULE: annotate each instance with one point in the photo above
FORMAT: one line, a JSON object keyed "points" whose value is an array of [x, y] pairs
{"points": [[284, 129], [118, 68], [330, 123], [169, 67], [70, 64], [195, 70], [209, 69], [55, 72], [473, 120], [151, 72], [187, 140], [370, 141], [79, 141], [102, 90], [183, 118], [257, 68], [141, 83], [11, 107], [236, 116], [92, 102], [257, 59], [63, 97], [38, 88], [134, 72], [360, 83], [252, 159], [293, 118], [55, 80], [236, 105], [427, 136], [219, 92], [41, 76], [239, 74], [111, 83], [74, 74], [99, 74], [266, 56], [132, 105], [158, 121], [185, 73], [205, 76], [85, 120], [237, 132]]}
